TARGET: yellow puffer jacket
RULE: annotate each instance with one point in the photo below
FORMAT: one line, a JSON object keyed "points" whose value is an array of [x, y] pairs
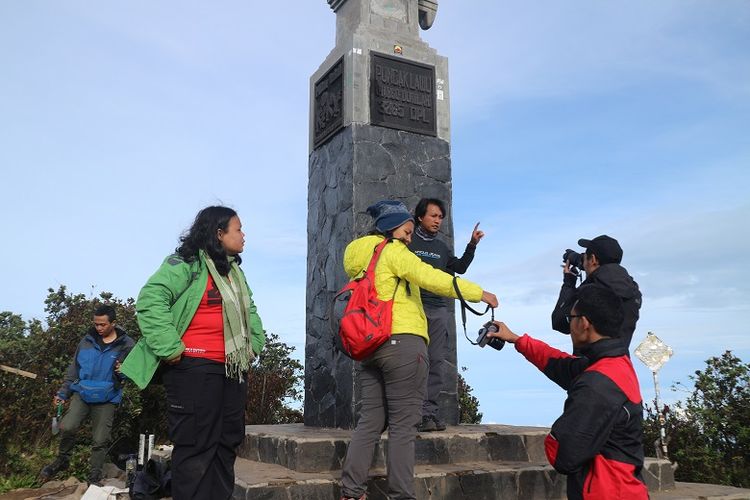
{"points": [[397, 261]]}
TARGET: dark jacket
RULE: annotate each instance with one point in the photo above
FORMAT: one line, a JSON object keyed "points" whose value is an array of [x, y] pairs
{"points": [[436, 253], [95, 362], [614, 277], [598, 440]]}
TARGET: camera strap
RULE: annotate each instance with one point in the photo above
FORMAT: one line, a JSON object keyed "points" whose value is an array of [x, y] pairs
{"points": [[465, 306]]}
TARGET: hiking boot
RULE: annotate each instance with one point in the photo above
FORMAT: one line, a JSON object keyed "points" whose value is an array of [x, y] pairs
{"points": [[94, 478], [427, 425], [439, 424], [49, 471]]}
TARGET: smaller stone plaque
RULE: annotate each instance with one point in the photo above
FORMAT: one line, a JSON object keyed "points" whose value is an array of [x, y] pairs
{"points": [[402, 94], [329, 104]]}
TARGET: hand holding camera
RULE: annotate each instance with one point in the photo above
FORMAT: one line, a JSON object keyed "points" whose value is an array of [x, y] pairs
{"points": [[573, 263], [484, 337], [502, 332]]}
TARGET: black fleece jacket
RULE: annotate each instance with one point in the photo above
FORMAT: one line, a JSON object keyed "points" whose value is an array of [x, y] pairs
{"points": [[616, 278]]}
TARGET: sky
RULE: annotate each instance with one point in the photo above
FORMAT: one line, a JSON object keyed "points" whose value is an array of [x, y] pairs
{"points": [[120, 120]]}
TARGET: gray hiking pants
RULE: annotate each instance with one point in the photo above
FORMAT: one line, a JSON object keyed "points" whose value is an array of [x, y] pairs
{"points": [[102, 416], [392, 383], [437, 327]]}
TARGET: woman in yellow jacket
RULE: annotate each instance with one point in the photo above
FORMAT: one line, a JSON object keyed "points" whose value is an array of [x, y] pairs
{"points": [[393, 378]]}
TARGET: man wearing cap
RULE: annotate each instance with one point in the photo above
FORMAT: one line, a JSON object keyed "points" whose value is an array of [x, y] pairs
{"points": [[601, 262]]}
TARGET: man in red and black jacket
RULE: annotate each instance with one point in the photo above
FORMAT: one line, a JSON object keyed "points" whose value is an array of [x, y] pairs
{"points": [[597, 442]]}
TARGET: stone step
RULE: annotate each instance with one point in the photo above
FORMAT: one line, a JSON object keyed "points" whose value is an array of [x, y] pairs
{"points": [[466, 481], [458, 481], [313, 449]]}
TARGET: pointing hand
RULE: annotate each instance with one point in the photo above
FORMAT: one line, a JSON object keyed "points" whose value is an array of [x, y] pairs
{"points": [[476, 235]]}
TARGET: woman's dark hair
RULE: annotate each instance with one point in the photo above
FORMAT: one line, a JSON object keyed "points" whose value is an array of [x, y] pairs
{"points": [[421, 207], [202, 235]]}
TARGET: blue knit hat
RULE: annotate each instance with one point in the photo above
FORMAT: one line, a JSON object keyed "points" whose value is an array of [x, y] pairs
{"points": [[389, 214]]}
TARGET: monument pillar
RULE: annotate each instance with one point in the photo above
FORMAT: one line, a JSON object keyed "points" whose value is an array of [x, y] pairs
{"points": [[379, 129]]}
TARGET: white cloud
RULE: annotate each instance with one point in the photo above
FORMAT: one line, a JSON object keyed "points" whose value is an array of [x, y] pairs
{"points": [[500, 51]]}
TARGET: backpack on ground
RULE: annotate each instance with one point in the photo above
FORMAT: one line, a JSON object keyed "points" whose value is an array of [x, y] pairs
{"points": [[152, 482], [365, 323]]}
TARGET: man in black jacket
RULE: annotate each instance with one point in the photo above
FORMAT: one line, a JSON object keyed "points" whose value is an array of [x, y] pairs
{"points": [[601, 261], [429, 214]]}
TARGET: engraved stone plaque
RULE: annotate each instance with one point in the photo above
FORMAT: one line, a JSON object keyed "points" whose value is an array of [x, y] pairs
{"points": [[329, 104], [402, 95]]}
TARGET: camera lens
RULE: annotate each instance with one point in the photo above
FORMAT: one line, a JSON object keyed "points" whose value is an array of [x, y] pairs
{"points": [[575, 258]]}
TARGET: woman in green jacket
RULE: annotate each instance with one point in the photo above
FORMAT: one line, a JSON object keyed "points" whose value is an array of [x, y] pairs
{"points": [[393, 379], [198, 320]]}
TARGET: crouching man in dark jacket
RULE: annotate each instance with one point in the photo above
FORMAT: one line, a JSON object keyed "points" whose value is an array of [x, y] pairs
{"points": [[597, 441], [93, 386], [601, 261]]}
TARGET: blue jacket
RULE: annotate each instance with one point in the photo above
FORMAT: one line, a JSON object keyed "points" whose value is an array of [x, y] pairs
{"points": [[92, 371]]}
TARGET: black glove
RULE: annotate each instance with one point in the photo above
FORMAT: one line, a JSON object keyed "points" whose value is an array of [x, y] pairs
{"points": [[569, 279]]}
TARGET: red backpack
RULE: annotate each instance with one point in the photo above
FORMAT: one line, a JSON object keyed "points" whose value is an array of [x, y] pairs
{"points": [[366, 320]]}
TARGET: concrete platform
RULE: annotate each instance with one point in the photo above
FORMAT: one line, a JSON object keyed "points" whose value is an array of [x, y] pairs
{"points": [[463, 462]]}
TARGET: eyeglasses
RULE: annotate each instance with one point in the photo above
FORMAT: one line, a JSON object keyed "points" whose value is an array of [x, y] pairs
{"points": [[569, 317]]}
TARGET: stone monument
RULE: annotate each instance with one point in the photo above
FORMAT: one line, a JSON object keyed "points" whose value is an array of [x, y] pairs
{"points": [[379, 129]]}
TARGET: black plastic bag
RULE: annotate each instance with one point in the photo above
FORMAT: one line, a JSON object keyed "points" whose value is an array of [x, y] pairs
{"points": [[152, 482]]}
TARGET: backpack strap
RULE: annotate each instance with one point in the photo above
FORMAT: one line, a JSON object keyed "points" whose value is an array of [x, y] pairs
{"points": [[376, 256], [374, 260]]}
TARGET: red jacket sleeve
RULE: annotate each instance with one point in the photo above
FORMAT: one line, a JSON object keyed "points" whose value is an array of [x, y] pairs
{"points": [[560, 367]]}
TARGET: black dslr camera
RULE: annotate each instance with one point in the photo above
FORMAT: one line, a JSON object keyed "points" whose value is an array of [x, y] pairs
{"points": [[483, 339], [575, 258]]}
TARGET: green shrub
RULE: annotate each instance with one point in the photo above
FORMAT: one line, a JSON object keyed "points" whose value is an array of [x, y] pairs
{"points": [[709, 433], [26, 441], [468, 404]]}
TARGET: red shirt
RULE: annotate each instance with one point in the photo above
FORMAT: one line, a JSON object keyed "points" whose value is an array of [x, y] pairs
{"points": [[204, 338]]}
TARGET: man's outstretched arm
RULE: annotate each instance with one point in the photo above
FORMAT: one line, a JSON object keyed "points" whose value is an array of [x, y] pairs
{"points": [[560, 367]]}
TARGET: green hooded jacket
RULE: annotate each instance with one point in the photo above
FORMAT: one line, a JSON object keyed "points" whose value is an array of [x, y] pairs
{"points": [[165, 307]]}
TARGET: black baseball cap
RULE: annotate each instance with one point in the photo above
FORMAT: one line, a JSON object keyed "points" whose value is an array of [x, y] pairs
{"points": [[606, 249]]}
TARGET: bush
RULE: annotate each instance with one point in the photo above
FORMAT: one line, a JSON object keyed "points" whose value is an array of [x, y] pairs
{"points": [[709, 433], [274, 382], [468, 405]]}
